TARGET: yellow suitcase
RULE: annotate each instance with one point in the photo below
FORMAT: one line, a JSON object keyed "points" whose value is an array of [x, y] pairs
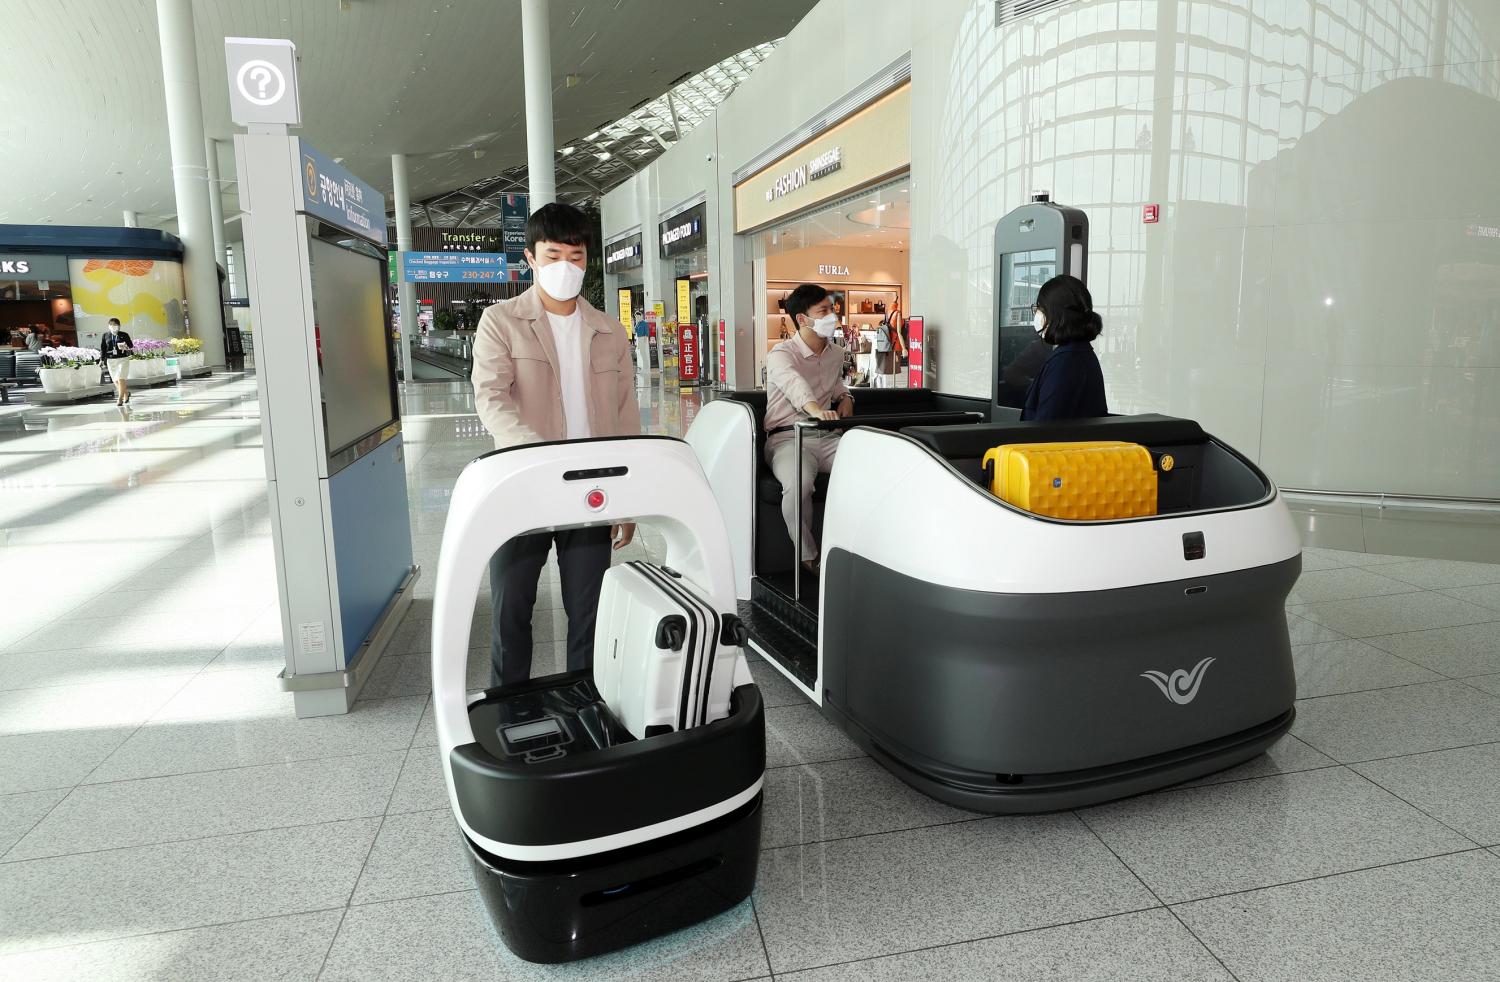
{"points": [[1087, 481]]}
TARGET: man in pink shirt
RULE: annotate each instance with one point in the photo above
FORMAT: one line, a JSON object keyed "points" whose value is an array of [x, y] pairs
{"points": [[805, 380]]}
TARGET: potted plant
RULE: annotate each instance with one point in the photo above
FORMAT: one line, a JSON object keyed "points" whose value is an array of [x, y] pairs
{"points": [[57, 369], [149, 356], [189, 353], [90, 367]]}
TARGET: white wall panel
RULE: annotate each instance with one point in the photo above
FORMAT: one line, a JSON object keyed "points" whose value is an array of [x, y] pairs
{"points": [[1300, 150]]}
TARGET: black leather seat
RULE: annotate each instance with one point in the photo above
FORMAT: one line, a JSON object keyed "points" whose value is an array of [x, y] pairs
{"points": [[773, 546], [965, 446], [28, 364]]}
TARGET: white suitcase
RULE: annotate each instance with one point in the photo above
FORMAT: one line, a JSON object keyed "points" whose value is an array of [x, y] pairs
{"points": [[664, 659]]}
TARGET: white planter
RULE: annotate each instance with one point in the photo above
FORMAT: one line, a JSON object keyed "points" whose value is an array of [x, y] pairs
{"points": [[56, 379], [89, 375], [195, 360]]}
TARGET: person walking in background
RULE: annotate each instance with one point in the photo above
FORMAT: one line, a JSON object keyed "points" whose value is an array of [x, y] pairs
{"points": [[115, 348], [547, 366], [888, 349]]}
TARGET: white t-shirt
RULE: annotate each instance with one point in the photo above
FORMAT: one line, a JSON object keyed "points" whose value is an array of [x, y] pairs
{"points": [[567, 334]]}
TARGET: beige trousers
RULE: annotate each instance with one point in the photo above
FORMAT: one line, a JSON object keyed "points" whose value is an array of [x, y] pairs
{"points": [[817, 458]]}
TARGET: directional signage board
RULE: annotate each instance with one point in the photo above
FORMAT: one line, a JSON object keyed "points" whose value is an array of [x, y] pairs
{"points": [[262, 81], [332, 193], [453, 267]]}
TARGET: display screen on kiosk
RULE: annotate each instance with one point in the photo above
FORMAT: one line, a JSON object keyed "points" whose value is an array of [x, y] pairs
{"points": [[1021, 351], [353, 337]]}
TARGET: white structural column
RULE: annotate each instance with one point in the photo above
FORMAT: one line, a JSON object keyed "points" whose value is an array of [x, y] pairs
{"points": [[179, 68], [536, 56], [405, 292], [216, 204], [132, 220]]}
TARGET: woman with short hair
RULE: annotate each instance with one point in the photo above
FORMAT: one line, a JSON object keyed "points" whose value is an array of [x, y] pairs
{"points": [[1071, 383], [115, 348]]}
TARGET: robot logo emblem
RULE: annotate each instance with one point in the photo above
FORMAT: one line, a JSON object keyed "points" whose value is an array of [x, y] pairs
{"points": [[1182, 685]]}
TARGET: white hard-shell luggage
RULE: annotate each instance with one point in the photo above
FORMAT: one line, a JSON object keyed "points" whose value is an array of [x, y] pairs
{"points": [[664, 658]]}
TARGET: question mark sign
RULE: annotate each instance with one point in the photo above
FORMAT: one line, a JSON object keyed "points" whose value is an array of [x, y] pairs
{"points": [[261, 82]]}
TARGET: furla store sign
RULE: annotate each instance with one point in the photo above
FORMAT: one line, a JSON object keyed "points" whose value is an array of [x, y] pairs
{"points": [[870, 145]]}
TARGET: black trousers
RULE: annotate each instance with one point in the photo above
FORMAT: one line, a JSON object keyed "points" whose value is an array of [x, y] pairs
{"points": [[582, 559]]}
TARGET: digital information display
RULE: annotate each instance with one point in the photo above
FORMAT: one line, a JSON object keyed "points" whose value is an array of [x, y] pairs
{"points": [[354, 351]]}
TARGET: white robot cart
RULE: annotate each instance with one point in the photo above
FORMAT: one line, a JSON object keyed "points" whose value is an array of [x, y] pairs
{"points": [[584, 838]]}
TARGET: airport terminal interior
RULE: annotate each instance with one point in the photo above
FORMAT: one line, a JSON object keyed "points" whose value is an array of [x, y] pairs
{"points": [[1140, 430]]}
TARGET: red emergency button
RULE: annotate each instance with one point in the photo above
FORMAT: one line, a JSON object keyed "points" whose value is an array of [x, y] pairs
{"points": [[595, 500]]}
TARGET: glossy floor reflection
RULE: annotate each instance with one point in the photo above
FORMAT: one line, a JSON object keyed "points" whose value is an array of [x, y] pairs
{"points": [[164, 816]]}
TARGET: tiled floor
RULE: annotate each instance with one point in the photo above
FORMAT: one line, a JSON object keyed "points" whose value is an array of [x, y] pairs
{"points": [[163, 815]]}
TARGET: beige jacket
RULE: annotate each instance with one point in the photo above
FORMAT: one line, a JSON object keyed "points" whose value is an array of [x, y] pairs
{"points": [[516, 382]]}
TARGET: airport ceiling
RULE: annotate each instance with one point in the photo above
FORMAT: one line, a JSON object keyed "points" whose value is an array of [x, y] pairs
{"points": [[85, 131]]}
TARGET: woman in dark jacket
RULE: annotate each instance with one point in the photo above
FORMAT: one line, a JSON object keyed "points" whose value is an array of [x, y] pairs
{"points": [[1071, 383], [114, 346]]}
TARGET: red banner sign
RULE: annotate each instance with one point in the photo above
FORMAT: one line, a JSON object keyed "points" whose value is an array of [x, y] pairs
{"points": [[687, 354], [915, 342], [723, 357]]}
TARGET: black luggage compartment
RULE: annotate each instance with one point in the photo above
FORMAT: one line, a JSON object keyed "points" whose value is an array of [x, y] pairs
{"points": [[531, 723]]}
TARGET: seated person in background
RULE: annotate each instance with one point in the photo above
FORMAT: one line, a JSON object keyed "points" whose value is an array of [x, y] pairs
{"points": [[1070, 384], [804, 379]]}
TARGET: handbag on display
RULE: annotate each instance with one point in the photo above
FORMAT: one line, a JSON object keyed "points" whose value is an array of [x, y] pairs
{"points": [[880, 306], [867, 306]]}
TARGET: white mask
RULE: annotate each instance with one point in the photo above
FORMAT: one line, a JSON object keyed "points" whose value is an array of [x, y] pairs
{"points": [[1039, 322], [826, 326], [561, 279]]}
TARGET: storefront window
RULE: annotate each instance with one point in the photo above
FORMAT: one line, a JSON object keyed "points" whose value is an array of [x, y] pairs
{"points": [[857, 248]]}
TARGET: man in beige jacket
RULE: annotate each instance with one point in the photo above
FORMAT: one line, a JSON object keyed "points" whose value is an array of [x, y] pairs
{"points": [[547, 367]]}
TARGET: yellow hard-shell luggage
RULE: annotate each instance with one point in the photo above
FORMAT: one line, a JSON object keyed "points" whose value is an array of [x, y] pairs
{"points": [[1085, 481]]}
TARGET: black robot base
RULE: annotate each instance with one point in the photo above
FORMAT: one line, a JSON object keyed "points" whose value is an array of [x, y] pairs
{"points": [[570, 909]]}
